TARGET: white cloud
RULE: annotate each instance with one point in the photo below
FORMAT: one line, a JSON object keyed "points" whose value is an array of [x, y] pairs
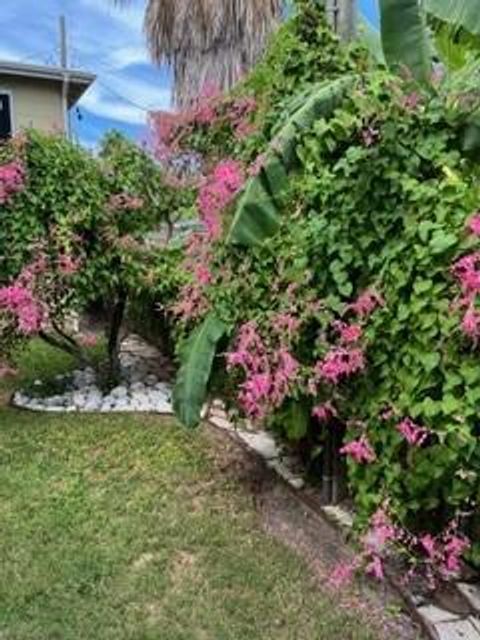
{"points": [[126, 56], [98, 102], [125, 100], [148, 95], [104, 38]]}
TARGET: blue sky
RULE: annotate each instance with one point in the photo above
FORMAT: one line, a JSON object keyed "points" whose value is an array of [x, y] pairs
{"points": [[105, 40]]}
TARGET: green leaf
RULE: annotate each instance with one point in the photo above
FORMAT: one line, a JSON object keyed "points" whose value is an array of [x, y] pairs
{"points": [[442, 241], [458, 13], [257, 213], [197, 357], [296, 420], [405, 38]]}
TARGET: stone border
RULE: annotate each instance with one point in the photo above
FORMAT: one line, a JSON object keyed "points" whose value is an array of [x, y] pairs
{"points": [[141, 388]]}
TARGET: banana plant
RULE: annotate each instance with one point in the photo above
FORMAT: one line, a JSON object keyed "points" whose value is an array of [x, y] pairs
{"points": [[257, 212], [408, 41], [197, 357], [405, 42], [459, 13]]}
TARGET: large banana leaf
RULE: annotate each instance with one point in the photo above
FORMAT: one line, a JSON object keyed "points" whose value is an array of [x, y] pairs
{"points": [[257, 213], [196, 366], [405, 37], [459, 13]]}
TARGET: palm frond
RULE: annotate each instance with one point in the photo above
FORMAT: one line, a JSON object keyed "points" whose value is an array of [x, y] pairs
{"points": [[208, 41]]}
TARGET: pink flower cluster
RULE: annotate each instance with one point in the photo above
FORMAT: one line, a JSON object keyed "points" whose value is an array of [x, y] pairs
{"points": [[324, 412], [240, 114], [360, 450], [285, 325], [412, 433], [20, 301], [339, 363], [467, 273], [366, 303], [192, 302], [375, 543], [433, 558], [348, 333], [68, 265], [412, 101], [444, 552], [217, 192], [269, 375], [473, 224], [22, 305], [12, 180], [125, 202], [171, 129]]}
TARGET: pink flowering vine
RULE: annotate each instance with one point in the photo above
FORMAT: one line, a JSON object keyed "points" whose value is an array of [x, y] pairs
{"points": [[348, 333], [433, 558], [192, 302], [473, 224], [359, 450], [340, 363], [413, 434], [28, 312], [217, 192], [366, 303], [285, 325], [466, 272], [269, 373], [68, 265], [324, 412], [171, 130], [12, 180], [370, 136], [412, 101], [443, 553]]}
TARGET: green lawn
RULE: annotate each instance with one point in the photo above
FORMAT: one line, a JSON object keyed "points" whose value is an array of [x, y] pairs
{"points": [[123, 527]]}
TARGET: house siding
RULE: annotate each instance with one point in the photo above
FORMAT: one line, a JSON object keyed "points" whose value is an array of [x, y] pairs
{"points": [[35, 103]]}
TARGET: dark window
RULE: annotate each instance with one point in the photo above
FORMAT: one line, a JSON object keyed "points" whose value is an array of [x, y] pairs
{"points": [[5, 116]]}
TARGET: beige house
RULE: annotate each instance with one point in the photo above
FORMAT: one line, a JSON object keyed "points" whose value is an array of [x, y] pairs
{"points": [[38, 97]]}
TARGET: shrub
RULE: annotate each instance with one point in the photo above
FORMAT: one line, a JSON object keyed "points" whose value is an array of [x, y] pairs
{"points": [[73, 232], [360, 313]]}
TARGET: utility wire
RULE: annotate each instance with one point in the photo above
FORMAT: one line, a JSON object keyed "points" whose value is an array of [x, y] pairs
{"points": [[108, 69]]}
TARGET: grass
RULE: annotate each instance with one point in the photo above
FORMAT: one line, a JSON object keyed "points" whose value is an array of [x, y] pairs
{"points": [[123, 528]]}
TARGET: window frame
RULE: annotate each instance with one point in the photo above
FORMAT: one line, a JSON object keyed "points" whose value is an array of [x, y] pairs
{"points": [[9, 93]]}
